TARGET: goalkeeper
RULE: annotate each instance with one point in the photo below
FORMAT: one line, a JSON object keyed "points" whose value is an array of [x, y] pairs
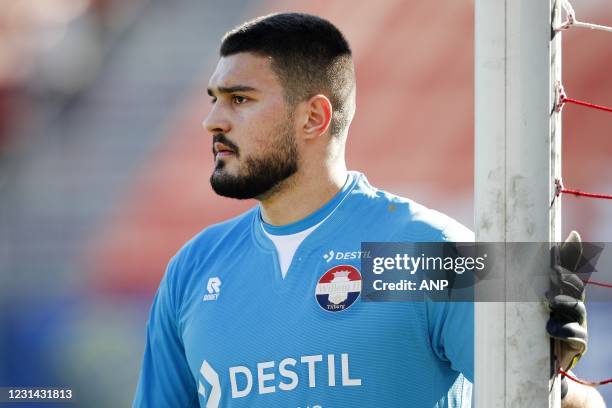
{"points": [[241, 318]]}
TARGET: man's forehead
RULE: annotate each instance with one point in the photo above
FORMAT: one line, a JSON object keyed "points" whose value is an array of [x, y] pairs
{"points": [[244, 69]]}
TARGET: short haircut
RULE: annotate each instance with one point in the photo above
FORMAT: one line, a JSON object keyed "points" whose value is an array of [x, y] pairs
{"points": [[309, 55]]}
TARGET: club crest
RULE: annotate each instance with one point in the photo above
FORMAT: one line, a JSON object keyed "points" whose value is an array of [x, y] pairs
{"points": [[338, 288]]}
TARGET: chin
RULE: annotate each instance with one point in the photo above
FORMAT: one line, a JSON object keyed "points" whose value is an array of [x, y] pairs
{"points": [[222, 167], [225, 172]]}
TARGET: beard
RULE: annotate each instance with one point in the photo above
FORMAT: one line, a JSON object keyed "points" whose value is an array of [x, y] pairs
{"points": [[262, 175]]}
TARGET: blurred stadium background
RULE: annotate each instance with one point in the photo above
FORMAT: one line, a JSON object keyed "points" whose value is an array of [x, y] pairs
{"points": [[104, 164]]}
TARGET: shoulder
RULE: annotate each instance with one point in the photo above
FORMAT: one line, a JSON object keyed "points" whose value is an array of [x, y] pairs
{"points": [[217, 236], [410, 220], [212, 241]]}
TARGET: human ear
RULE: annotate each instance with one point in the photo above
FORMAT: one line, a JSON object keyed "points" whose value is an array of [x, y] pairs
{"points": [[318, 111]]}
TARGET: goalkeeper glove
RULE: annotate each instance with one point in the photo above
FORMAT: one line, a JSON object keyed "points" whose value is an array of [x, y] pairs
{"points": [[568, 322]]}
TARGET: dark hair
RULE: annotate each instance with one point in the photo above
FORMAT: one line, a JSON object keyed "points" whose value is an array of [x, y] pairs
{"points": [[309, 55]]}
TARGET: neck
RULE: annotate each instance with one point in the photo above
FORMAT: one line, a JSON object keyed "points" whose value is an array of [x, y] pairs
{"points": [[302, 194]]}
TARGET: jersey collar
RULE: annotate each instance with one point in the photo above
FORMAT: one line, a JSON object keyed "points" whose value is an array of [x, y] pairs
{"points": [[313, 219]]}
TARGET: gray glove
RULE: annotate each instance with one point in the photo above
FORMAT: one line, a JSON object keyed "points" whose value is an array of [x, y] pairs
{"points": [[567, 322]]}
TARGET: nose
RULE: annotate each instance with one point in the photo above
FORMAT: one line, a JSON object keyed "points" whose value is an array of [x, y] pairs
{"points": [[216, 122]]}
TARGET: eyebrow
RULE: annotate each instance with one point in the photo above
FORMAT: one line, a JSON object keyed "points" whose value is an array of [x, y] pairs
{"points": [[231, 89]]}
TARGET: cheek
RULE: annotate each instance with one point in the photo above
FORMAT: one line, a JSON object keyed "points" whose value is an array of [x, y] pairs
{"points": [[261, 129]]}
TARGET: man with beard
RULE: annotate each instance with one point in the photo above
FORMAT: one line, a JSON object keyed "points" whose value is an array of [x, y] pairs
{"points": [[262, 310]]}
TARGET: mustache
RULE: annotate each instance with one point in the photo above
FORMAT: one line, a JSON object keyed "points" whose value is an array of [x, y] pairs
{"points": [[221, 138]]}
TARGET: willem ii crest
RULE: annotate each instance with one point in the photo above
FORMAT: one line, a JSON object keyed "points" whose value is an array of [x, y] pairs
{"points": [[338, 288]]}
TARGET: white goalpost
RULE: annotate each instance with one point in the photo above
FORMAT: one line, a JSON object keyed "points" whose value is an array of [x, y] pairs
{"points": [[517, 138]]}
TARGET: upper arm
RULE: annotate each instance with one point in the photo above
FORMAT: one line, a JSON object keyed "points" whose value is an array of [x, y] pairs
{"points": [[451, 324], [451, 330], [165, 377]]}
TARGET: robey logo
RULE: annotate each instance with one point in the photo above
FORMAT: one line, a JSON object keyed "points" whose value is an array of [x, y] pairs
{"points": [[213, 288], [270, 377]]}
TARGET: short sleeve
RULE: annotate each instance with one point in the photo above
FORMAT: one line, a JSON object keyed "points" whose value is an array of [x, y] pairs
{"points": [[451, 330], [165, 379]]}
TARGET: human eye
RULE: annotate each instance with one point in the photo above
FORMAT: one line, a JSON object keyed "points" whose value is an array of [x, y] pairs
{"points": [[239, 99]]}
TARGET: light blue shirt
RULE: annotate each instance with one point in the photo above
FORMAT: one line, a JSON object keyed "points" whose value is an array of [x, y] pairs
{"points": [[226, 330]]}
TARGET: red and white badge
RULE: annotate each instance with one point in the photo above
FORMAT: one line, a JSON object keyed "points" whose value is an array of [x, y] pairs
{"points": [[338, 288]]}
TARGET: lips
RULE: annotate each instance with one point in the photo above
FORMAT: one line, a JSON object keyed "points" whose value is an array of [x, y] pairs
{"points": [[222, 150]]}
